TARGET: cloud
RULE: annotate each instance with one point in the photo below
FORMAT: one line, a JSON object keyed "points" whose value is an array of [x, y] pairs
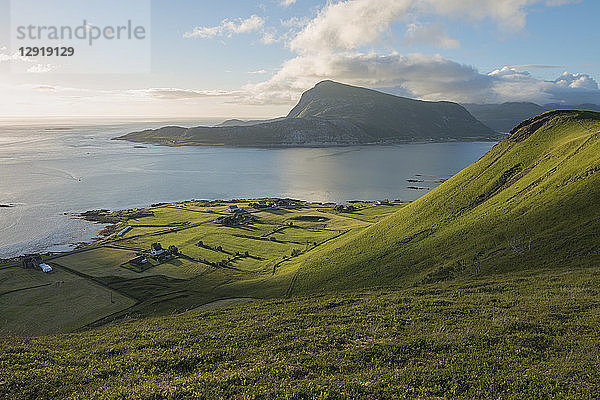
{"points": [[178, 94], [12, 57], [508, 14], [334, 45], [29, 64], [41, 68], [421, 76], [536, 66], [46, 88], [259, 72], [287, 3], [576, 81], [349, 24], [429, 34], [295, 22], [270, 38], [228, 28], [510, 84], [337, 43]]}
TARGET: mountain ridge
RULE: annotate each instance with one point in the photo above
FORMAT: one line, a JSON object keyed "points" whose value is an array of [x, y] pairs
{"points": [[505, 116], [332, 114]]}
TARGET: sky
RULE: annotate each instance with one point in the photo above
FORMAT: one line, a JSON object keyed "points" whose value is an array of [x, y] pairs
{"points": [[253, 59]]}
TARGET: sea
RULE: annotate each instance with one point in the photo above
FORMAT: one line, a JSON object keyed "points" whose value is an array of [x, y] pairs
{"points": [[51, 171]]}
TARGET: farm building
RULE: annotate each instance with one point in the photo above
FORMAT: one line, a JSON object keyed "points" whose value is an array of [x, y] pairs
{"points": [[156, 250], [141, 260], [31, 261], [45, 268]]}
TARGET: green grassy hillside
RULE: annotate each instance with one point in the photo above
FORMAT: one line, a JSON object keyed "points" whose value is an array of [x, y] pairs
{"points": [[532, 202]]}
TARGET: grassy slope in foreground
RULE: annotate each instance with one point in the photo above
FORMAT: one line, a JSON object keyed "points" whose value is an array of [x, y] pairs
{"points": [[531, 202], [514, 336]]}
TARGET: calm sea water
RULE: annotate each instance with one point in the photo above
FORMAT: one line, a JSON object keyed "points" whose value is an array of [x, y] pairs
{"points": [[51, 172]]}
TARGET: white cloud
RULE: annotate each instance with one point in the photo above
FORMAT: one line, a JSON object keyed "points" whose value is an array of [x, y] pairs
{"points": [[29, 64], [431, 77], [259, 72], [349, 24], [41, 68], [576, 81], [295, 22], [331, 46], [536, 66], [335, 45], [12, 57], [514, 85], [509, 14], [287, 3], [429, 34], [178, 94], [228, 28], [419, 76], [270, 38]]}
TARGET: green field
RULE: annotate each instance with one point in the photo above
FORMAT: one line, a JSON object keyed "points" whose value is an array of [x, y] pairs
{"points": [[100, 262], [33, 303]]}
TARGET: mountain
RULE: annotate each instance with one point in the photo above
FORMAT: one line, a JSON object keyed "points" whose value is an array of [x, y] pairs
{"points": [[386, 116], [239, 122], [504, 117], [335, 114], [585, 106], [531, 203], [281, 132]]}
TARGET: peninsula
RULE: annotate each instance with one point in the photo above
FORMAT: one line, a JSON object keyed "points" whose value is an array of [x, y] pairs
{"points": [[334, 114]]}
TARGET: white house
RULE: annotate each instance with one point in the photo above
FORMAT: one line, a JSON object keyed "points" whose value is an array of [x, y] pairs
{"points": [[154, 252], [45, 268]]}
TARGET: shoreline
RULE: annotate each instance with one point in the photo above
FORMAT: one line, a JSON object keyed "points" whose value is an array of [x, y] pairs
{"points": [[324, 145]]}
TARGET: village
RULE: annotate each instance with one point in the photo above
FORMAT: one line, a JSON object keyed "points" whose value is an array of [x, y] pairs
{"points": [[229, 214], [175, 256]]}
